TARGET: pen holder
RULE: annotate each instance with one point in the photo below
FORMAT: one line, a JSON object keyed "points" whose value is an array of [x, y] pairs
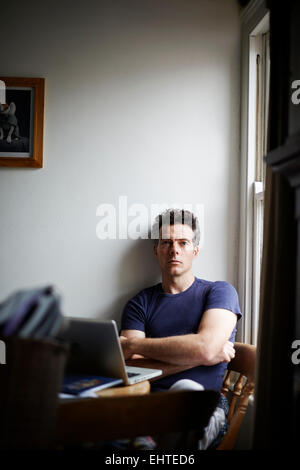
{"points": [[30, 380]]}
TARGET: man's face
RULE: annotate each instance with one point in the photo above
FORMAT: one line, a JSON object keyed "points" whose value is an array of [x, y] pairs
{"points": [[175, 251]]}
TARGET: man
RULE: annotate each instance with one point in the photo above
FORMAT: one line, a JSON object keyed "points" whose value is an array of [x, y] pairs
{"points": [[182, 320]]}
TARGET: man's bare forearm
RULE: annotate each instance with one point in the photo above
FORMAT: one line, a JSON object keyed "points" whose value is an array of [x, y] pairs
{"points": [[182, 350]]}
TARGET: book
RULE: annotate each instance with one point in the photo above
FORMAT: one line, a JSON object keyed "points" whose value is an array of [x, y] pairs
{"points": [[81, 385]]}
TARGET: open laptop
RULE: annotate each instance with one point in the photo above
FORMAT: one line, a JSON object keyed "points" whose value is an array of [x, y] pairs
{"points": [[95, 348]]}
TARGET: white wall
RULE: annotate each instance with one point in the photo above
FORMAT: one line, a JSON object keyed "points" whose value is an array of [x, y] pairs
{"points": [[142, 100]]}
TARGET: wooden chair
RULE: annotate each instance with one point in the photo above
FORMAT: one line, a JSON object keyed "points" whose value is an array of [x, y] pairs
{"points": [[238, 395]]}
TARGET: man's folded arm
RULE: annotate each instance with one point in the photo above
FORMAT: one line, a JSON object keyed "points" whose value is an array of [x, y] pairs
{"points": [[209, 346]]}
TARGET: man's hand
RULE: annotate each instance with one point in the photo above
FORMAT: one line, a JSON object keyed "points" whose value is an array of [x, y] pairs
{"points": [[227, 352], [125, 347]]}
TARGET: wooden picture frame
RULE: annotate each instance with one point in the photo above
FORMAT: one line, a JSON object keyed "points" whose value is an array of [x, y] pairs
{"points": [[22, 122]]}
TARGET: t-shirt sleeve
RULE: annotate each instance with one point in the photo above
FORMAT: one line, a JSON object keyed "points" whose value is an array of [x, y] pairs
{"points": [[223, 295], [134, 314]]}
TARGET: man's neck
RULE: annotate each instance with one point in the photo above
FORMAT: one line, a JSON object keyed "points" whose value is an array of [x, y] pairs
{"points": [[175, 285]]}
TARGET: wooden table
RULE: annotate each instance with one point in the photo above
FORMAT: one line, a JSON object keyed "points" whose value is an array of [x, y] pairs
{"points": [[126, 409], [143, 387]]}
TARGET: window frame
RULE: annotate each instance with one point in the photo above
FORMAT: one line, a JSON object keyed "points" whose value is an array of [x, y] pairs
{"points": [[254, 20]]}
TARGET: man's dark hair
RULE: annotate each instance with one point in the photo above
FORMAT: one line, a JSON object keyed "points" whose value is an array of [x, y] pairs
{"points": [[173, 217]]}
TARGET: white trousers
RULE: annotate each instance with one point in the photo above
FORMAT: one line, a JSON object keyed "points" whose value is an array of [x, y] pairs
{"points": [[217, 420]]}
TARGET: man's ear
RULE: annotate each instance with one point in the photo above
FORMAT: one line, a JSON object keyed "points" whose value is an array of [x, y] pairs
{"points": [[196, 250]]}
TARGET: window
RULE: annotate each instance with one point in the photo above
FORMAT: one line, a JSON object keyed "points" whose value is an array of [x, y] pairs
{"points": [[254, 125], [259, 46]]}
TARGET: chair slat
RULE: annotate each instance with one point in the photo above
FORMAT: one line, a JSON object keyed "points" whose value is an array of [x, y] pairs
{"points": [[226, 383], [244, 365], [237, 391]]}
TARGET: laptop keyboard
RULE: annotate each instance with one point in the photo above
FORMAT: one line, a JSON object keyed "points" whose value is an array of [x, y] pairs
{"points": [[132, 374]]}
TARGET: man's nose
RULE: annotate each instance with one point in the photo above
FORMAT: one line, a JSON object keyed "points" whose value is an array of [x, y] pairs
{"points": [[174, 248]]}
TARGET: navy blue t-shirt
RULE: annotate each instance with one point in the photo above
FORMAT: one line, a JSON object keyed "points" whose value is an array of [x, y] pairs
{"points": [[159, 314]]}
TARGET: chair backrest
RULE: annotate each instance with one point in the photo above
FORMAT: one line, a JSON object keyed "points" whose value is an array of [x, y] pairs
{"points": [[109, 418], [29, 384], [242, 366]]}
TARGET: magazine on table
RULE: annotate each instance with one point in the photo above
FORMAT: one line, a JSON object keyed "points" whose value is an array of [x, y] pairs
{"points": [[82, 385]]}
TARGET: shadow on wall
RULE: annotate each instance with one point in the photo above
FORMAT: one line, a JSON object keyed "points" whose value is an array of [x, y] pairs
{"points": [[138, 269]]}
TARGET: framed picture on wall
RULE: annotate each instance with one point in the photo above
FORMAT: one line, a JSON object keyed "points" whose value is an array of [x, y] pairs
{"points": [[21, 121]]}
